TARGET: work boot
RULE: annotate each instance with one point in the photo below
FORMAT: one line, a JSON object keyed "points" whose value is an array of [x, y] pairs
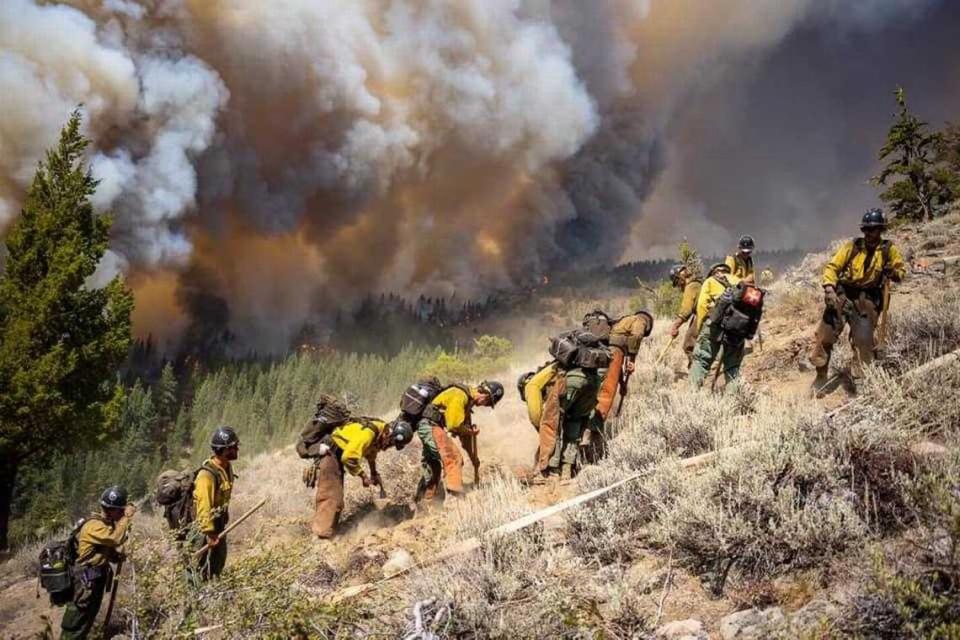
{"points": [[566, 473], [820, 382], [538, 478]]}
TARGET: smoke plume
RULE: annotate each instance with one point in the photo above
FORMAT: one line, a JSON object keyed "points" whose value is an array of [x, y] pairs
{"points": [[268, 163]]}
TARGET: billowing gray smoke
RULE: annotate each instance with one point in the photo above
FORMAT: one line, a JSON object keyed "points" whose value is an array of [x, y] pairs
{"points": [[300, 154]]}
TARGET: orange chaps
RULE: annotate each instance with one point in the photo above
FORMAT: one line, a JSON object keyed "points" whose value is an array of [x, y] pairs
{"points": [[550, 423], [329, 497], [449, 466], [611, 383]]}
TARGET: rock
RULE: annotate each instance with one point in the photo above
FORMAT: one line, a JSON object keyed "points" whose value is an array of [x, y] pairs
{"points": [[682, 630], [752, 624], [813, 615], [400, 560]]}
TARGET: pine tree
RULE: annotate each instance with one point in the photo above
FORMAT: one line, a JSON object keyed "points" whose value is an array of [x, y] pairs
{"points": [[690, 259], [61, 342], [912, 189], [947, 173], [165, 400]]}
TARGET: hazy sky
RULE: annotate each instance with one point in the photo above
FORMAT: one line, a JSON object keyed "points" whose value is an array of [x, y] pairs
{"points": [[783, 147], [268, 163]]}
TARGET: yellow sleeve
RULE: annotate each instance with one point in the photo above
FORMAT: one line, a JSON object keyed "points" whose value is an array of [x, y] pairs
{"points": [[831, 273], [688, 304], [455, 410], [203, 496], [898, 266], [731, 262], [101, 534], [357, 444], [703, 303]]}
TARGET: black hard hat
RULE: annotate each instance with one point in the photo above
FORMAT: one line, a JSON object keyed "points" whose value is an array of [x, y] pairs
{"points": [[224, 438], [746, 243], [114, 497], [676, 270], [401, 433], [493, 389], [873, 219], [718, 266]]}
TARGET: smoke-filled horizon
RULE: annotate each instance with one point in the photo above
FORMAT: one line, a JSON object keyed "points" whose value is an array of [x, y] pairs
{"points": [[270, 163]]}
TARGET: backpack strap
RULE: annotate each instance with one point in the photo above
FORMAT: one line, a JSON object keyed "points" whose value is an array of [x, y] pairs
{"points": [[75, 533], [434, 413], [859, 246], [466, 391], [213, 471], [367, 423]]}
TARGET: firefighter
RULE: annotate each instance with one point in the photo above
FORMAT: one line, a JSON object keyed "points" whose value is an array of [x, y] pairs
{"points": [[212, 489], [741, 263], [709, 335], [450, 414], [853, 293], [683, 279], [626, 335], [99, 543], [357, 440]]}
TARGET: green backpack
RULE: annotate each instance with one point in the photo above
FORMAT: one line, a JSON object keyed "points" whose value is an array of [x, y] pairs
{"points": [[57, 561]]}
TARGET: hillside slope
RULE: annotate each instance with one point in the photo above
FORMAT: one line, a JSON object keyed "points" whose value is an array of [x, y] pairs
{"points": [[793, 510]]}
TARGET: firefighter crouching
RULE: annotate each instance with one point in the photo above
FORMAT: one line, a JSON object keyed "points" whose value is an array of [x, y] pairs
{"points": [[349, 445]]}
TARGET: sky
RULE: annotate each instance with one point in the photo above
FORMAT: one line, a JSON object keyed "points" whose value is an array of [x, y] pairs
{"points": [[268, 164]]}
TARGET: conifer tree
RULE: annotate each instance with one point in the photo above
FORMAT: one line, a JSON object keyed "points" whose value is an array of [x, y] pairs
{"points": [[690, 258], [165, 396], [61, 340], [948, 155], [912, 189]]}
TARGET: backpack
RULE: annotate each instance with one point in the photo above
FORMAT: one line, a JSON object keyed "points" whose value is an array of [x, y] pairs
{"points": [[598, 323], [418, 397], [57, 562], [174, 492], [859, 246], [533, 387], [579, 348], [330, 414], [738, 312]]}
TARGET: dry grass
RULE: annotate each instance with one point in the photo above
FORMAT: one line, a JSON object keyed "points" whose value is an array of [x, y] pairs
{"points": [[798, 492], [923, 327]]}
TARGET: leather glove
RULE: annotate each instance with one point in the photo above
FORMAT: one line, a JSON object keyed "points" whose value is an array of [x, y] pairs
{"points": [[365, 480], [830, 298], [675, 329]]}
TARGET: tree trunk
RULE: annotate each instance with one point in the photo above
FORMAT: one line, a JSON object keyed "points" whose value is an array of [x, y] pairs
{"points": [[8, 476], [922, 197]]}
